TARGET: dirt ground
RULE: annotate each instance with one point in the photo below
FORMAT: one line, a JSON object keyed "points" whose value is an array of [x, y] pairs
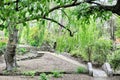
{"points": [[48, 63], [65, 77]]}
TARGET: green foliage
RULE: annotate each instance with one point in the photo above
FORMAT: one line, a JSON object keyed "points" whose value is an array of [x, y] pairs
{"points": [[14, 71], [29, 73], [84, 11], [101, 48], [6, 72], [65, 43], [2, 47], [2, 44], [21, 51], [57, 74], [85, 42], [43, 76], [33, 35], [114, 60], [81, 70], [117, 32]]}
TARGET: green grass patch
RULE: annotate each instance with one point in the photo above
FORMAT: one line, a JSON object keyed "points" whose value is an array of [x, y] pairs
{"points": [[81, 70]]}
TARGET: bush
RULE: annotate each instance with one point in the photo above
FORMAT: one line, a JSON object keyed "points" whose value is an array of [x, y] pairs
{"points": [[33, 35], [2, 44], [2, 47], [43, 76], [81, 70], [21, 51], [57, 74], [101, 49], [29, 73], [114, 60], [36, 36]]}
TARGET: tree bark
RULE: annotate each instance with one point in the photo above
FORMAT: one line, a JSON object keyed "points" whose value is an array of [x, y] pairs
{"points": [[9, 55]]}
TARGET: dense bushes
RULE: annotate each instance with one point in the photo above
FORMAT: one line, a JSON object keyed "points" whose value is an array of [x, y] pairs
{"points": [[2, 47], [33, 36], [101, 49], [85, 43], [114, 59]]}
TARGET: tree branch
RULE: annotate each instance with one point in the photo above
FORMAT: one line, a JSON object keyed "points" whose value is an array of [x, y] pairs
{"points": [[52, 20], [8, 3], [63, 6], [74, 1], [113, 8], [49, 19], [17, 5]]}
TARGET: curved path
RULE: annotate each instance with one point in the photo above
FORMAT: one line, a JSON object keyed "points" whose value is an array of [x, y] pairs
{"points": [[51, 62]]}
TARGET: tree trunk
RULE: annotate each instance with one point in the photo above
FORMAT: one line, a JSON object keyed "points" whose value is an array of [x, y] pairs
{"points": [[9, 55], [89, 54]]}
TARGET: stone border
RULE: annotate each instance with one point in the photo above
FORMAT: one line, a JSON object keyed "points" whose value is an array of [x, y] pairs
{"points": [[31, 57], [107, 68], [90, 69]]}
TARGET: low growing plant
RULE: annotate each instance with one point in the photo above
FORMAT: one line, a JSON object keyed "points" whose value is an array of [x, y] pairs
{"points": [[81, 70], [57, 74], [43, 76], [29, 73], [22, 51], [2, 47], [114, 60]]}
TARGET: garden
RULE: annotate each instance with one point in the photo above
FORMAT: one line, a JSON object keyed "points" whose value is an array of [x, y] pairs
{"points": [[60, 39]]}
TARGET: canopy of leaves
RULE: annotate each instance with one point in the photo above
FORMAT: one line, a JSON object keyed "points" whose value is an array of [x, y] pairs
{"points": [[13, 12]]}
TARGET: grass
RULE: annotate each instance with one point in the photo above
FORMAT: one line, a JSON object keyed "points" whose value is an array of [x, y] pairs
{"points": [[43, 76], [57, 74], [22, 51], [81, 70], [29, 73]]}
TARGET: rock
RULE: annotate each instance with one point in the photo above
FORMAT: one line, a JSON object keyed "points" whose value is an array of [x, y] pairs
{"points": [[107, 68], [90, 69], [46, 47], [40, 54], [99, 73]]}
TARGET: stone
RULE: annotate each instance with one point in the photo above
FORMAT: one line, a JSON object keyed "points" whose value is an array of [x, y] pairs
{"points": [[90, 69], [107, 68], [99, 73]]}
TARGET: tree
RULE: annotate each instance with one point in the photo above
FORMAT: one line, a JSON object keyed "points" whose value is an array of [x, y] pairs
{"points": [[14, 12]]}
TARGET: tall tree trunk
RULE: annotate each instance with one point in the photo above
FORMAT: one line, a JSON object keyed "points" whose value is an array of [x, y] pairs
{"points": [[9, 55], [112, 32]]}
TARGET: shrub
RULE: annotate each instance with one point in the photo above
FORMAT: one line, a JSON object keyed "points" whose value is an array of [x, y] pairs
{"points": [[2, 44], [21, 51], [33, 35], [29, 73], [101, 49], [2, 47], [81, 70], [43, 76], [57, 74], [114, 60]]}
